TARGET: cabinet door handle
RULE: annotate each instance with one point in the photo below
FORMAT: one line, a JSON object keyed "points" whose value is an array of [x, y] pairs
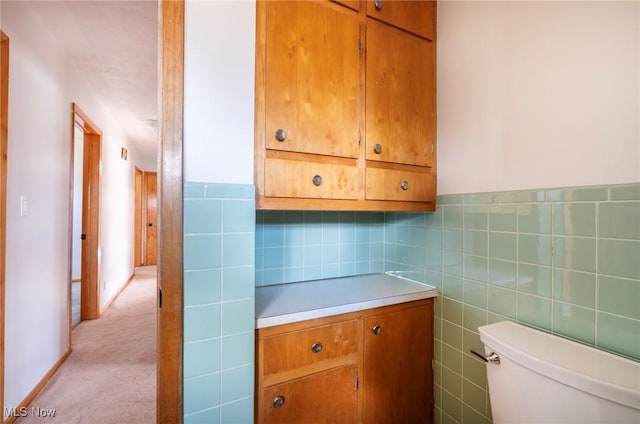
{"points": [[376, 329], [377, 148], [317, 180], [281, 135], [316, 347], [278, 402], [378, 4], [404, 185]]}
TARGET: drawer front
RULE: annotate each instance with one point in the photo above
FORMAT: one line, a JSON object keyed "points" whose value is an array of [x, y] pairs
{"points": [[316, 180], [400, 185], [413, 16], [288, 351]]}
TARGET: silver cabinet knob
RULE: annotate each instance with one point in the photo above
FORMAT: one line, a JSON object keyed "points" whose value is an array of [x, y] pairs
{"points": [[278, 402], [377, 148], [317, 180], [376, 329], [404, 185], [316, 347], [281, 135], [378, 4]]}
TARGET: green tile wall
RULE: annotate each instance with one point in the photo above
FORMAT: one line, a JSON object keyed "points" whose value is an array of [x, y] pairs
{"points": [[219, 311], [564, 260], [301, 246]]}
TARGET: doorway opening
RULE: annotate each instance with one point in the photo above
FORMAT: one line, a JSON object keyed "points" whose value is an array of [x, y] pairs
{"points": [[86, 189], [76, 228]]}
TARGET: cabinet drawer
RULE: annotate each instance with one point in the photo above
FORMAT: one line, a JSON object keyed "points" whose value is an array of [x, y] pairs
{"points": [[394, 184], [293, 178], [288, 351], [413, 16]]}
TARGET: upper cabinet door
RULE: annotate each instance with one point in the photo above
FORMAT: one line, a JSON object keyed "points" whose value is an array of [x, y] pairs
{"points": [[416, 16], [312, 93], [400, 97]]}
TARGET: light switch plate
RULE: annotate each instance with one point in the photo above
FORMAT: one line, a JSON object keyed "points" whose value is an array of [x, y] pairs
{"points": [[24, 206]]}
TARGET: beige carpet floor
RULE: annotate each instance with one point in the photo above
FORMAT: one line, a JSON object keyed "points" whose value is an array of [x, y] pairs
{"points": [[110, 375]]}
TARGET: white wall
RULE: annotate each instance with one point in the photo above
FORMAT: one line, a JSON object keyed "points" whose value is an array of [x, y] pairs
{"points": [[42, 86], [219, 91], [537, 94]]}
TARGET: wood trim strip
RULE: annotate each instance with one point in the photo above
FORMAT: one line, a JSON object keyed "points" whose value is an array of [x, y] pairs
{"points": [[170, 215], [4, 123], [38, 388], [83, 120], [290, 203], [260, 115]]}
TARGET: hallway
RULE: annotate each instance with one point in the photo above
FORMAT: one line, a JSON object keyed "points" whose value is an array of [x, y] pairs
{"points": [[110, 375]]}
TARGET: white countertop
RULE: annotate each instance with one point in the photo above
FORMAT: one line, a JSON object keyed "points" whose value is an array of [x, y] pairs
{"points": [[292, 302]]}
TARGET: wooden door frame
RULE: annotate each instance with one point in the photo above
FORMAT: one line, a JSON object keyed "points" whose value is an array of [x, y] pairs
{"points": [[4, 125], [90, 272], [169, 399], [137, 218]]}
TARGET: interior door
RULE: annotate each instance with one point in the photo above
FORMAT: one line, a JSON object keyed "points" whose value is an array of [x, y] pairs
{"points": [[151, 244], [137, 219], [89, 276]]}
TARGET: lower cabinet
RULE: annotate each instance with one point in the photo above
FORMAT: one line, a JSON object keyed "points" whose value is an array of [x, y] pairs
{"points": [[370, 366], [397, 376], [324, 397]]}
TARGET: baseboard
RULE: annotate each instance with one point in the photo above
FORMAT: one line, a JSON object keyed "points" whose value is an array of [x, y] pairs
{"points": [[116, 294], [27, 400]]}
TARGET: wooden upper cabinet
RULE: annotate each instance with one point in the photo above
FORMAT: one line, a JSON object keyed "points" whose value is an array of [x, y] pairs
{"points": [[413, 16], [312, 78], [345, 105], [400, 97]]}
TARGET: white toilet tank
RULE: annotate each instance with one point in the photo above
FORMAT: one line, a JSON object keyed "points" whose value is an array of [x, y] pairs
{"points": [[542, 378]]}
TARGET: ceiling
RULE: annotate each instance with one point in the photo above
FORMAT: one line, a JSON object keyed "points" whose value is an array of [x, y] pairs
{"points": [[114, 45]]}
